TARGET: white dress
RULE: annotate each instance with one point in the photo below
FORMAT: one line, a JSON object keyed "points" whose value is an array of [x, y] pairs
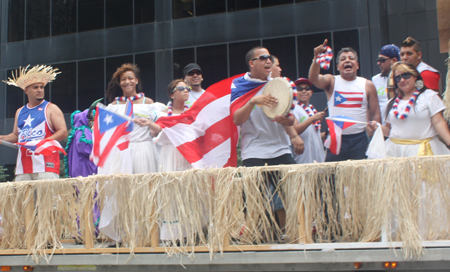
{"points": [[140, 157], [314, 150], [171, 160], [417, 126]]}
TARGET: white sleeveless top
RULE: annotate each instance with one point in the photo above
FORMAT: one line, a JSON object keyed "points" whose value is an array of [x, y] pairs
{"points": [[349, 98]]}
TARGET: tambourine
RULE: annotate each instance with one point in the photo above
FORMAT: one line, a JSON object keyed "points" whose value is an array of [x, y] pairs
{"points": [[282, 91]]}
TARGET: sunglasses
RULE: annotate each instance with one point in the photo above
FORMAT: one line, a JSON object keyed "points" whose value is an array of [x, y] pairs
{"points": [[263, 57], [301, 89], [382, 60], [191, 73], [182, 88], [405, 76]]}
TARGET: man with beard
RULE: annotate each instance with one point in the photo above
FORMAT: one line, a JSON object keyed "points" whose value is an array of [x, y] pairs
{"points": [[193, 78], [348, 95], [389, 54], [37, 120]]}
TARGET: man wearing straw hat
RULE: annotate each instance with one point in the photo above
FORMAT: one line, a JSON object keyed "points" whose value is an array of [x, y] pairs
{"points": [[348, 95], [37, 120]]}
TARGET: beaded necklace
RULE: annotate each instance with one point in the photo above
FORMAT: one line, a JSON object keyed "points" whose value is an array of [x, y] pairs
{"points": [[310, 110], [294, 91], [131, 98], [405, 113], [170, 108]]}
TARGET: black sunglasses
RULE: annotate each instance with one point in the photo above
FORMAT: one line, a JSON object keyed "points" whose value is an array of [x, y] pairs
{"points": [[405, 76], [191, 73], [182, 88], [263, 57], [382, 60], [301, 89]]}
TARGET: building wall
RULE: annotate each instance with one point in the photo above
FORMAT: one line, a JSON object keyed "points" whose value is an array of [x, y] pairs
{"points": [[218, 42]]}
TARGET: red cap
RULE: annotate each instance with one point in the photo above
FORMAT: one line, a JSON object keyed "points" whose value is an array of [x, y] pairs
{"points": [[303, 80]]}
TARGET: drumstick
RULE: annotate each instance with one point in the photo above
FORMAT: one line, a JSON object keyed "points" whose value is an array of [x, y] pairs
{"points": [[9, 144], [326, 108]]}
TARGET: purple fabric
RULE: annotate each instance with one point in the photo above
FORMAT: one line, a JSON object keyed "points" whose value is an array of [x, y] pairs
{"points": [[78, 155]]}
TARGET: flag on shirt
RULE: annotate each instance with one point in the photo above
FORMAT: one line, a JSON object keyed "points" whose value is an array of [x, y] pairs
{"points": [[348, 99], [44, 147], [205, 134], [242, 91], [110, 129], [336, 124]]}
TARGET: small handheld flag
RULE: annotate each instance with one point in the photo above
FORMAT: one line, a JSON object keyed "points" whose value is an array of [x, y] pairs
{"points": [[336, 124], [43, 147]]}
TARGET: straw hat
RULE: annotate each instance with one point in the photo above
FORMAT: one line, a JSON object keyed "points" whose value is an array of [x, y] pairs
{"points": [[38, 74]]}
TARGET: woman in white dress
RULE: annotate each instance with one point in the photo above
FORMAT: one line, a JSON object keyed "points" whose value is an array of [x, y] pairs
{"points": [[141, 155], [414, 117], [170, 158]]}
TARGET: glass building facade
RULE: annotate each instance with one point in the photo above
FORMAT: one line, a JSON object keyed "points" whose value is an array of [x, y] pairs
{"points": [[88, 39]]}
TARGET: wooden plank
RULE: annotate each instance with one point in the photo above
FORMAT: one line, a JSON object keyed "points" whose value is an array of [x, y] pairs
{"points": [[88, 223], [443, 18], [154, 231], [234, 248]]}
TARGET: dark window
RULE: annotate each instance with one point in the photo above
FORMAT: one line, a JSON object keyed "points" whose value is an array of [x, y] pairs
{"points": [[347, 38], [90, 82], [303, 1], [64, 87], [284, 50], [213, 61], [119, 13], [182, 8], [237, 52], [268, 3], [14, 98], [205, 7], [181, 58], [16, 20], [306, 45], [144, 11], [146, 63], [234, 5], [38, 19], [64, 17], [90, 15]]}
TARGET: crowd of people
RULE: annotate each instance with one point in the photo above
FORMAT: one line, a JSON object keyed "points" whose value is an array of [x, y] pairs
{"points": [[403, 98]]}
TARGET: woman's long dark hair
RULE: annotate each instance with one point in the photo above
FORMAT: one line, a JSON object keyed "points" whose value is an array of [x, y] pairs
{"points": [[405, 68], [114, 88]]}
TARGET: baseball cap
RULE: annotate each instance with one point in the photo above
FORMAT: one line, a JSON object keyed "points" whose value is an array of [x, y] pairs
{"points": [[391, 51], [303, 80], [191, 67]]}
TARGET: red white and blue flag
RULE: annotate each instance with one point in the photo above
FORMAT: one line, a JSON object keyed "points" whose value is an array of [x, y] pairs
{"points": [[44, 147], [336, 124], [110, 130], [348, 99], [242, 91], [205, 134]]}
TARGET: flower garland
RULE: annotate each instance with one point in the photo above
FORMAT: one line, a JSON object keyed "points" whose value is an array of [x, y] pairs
{"points": [[294, 91], [405, 113], [170, 108], [310, 110], [131, 98]]}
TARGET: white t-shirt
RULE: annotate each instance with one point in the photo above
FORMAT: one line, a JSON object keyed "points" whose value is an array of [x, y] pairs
{"points": [[380, 83], [193, 96], [314, 150], [417, 126], [349, 98], [262, 138]]}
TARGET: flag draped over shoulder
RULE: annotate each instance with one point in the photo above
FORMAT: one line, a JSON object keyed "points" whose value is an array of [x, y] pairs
{"points": [[205, 134], [336, 124], [43, 147], [110, 130], [242, 91]]}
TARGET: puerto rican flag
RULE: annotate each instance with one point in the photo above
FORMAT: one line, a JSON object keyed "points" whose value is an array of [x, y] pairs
{"points": [[348, 99], [205, 134], [336, 124], [110, 129], [44, 147], [242, 91]]}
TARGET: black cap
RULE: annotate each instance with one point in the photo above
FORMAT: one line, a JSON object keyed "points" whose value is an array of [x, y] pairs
{"points": [[190, 67]]}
